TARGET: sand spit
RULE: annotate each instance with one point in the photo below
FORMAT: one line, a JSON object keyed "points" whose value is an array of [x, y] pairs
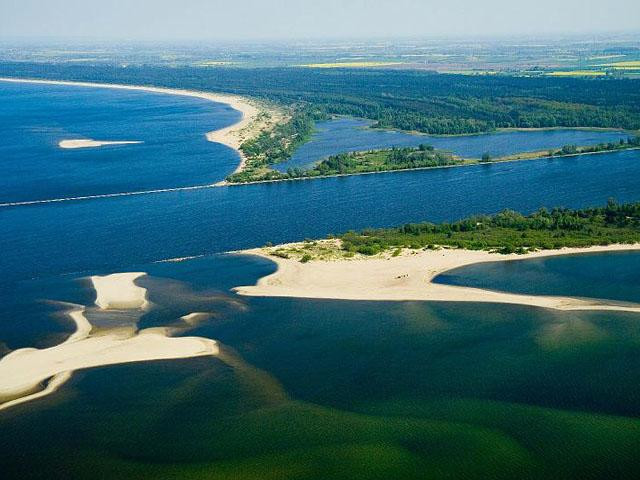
{"points": [[409, 276], [256, 116], [24, 372], [89, 143]]}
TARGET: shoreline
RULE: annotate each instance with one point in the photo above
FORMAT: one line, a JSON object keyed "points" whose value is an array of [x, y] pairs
{"points": [[409, 277], [232, 136]]}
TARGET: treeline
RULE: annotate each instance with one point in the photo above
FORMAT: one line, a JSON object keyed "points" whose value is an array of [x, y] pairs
{"points": [[278, 144], [630, 142], [409, 100], [423, 156], [509, 231]]}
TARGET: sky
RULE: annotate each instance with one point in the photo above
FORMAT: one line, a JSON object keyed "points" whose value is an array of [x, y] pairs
{"points": [[236, 20]]}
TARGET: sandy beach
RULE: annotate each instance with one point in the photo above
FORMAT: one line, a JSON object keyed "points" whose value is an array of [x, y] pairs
{"points": [[89, 143], [256, 116], [409, 276], [29, 373]]}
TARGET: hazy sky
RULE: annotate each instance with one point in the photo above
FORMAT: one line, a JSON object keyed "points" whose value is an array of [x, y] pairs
{"points": [[290, 19]]}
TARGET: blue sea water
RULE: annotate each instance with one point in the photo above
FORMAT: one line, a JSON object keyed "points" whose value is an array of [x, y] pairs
{"points": [[308, 389], [175, 153], [348, 134], [613, 276]]}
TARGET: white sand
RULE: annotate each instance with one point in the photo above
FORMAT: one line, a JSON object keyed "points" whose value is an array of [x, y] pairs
{"points": [[233, 136], [119, 291], [409, 277], [89, 143], [24, 371]]}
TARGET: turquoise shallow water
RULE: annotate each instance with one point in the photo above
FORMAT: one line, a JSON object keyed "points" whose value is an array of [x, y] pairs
{"points": [[319, 389]]}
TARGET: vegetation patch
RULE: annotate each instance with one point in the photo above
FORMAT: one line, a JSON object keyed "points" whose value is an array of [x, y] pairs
{"points": [[509, 231]]}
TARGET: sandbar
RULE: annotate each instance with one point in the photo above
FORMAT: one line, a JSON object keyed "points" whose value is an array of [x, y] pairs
{"points": [[119, 291], [408, 277], [89, 143], [29, 373]]}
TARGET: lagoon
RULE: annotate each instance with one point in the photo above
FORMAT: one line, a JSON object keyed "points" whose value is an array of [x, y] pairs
{"points": [[349, 135]]}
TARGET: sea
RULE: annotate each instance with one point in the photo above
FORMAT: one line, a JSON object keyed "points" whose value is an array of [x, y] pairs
{"points": [[305, 389]]}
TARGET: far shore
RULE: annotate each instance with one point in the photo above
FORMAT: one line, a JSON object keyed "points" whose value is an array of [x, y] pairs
{"points": [[409, 277], [250, 124]]}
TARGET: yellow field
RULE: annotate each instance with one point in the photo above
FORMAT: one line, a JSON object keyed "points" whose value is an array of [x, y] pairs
{"points": [[577, 73], [633, 64], [351, 64]]}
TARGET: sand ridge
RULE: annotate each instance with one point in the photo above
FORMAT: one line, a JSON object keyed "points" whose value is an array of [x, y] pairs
{"points": [[29, 373], [79, 143]]}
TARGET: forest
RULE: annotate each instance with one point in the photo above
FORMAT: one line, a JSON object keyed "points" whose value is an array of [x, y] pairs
{"points": [[405, 99], [509, 231]]}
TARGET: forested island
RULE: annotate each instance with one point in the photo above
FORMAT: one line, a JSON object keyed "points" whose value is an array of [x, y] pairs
{"points": [[407, 158], [505, 232], [509, 231]]}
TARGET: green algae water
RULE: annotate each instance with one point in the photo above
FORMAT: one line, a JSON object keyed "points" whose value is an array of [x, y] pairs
{"points": [[337, 389]]}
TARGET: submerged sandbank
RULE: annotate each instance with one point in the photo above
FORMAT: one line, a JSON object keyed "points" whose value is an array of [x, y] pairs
{"points": [[89, 143], [409, 276], [28, 373]]}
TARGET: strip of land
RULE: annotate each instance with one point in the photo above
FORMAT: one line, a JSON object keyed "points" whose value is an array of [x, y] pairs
{"points": [[89, 143], [423, 157], [404, 276], [29, 373]]}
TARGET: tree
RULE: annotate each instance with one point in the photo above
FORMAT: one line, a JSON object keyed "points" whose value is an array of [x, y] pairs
{"points": [[486, 158]]}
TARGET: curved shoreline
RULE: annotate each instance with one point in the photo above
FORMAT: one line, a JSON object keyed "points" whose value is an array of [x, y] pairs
{"points": [[409, 277], [231, 136]]}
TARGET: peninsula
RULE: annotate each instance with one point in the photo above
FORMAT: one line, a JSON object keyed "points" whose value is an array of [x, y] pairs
{"points": [[401, 263]]}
